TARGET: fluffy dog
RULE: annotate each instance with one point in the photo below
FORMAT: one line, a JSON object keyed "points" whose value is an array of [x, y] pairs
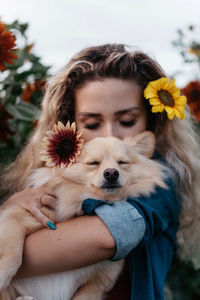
{"points": [[107, 169]]}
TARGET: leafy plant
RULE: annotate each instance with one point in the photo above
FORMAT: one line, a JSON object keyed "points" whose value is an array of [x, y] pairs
{"points": [[183, 281], [22, 84]]}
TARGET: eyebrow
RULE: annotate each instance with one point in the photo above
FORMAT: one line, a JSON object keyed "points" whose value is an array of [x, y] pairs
{"points": [[117, 113]]}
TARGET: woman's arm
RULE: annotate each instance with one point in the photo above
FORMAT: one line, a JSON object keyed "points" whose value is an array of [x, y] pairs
{"points": [[75, 243]]}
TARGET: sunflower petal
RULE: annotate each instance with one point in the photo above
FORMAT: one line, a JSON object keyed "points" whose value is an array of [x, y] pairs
{"points": [[60, 125], [73, 126], [68, 125], [164, 83], [177, 112], [182, 115], [181, 100], [174, 91], [169, 98], [44, 157], [157, 108], [170, 112], [62, 145], [180, 107], [79, 134], [155, 101], [49, 163], [55, 128], [149, 92]]}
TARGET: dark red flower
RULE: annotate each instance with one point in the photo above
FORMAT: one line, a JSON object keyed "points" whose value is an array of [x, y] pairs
{"points": [[192, 92], [7, 46], [61, 146]]}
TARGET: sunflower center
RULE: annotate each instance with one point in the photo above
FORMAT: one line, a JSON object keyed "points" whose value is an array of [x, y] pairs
{"points": [[195, 95], [166, 98], [65, 148]]}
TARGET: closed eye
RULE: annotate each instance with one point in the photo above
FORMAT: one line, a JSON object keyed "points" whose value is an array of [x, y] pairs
{"points": [[128, 123], [123, 162], [92, 126], [90, 163]]}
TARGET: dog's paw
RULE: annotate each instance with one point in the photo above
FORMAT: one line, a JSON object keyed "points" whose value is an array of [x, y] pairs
{"points": [[5, 278], [8, 268], [11, 249], [4, 281]]}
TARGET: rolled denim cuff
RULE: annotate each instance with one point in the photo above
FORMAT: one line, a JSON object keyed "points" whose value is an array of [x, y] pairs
{"points": [[125, 224]]}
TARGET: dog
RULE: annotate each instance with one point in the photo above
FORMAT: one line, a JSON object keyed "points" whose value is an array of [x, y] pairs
{"points": [[107, 169]]}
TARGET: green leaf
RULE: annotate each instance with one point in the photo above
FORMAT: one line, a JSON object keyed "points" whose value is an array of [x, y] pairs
{"points": [[16, 89], [39, 68], [17, 63], [19, 27], [22, 76], [23, 111]]}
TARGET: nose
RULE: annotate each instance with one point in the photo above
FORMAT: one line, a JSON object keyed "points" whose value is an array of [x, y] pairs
{"points": [[108, 130], [111, 174]]}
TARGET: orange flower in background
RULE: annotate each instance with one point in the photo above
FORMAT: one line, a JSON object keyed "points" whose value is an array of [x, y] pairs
{"points": [[29, 48], [192, 92], [7, 46], [31, 88], [195, 50]]}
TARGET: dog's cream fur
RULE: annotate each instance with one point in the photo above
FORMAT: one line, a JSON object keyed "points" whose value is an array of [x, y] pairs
{"points": [[138, 174]]}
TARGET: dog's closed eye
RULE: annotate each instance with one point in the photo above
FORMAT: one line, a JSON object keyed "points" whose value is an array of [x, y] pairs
{"points": [[95, 162], [123, 162]]}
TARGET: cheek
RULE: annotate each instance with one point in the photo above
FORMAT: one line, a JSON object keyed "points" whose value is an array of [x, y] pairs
{"points": [[124, 175], [95, 177], [129, 132], [88, 135], [91, 134], [138, 128], [142, 124]]}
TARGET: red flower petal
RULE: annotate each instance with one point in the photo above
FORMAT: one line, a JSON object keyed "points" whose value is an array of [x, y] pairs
{"points": [[61, 145]]}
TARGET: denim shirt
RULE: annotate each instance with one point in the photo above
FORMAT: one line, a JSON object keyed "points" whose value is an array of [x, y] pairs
{"points": [[144, 229]]}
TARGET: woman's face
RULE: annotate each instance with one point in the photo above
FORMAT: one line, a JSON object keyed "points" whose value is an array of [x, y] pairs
{"points": [[110, 107]]}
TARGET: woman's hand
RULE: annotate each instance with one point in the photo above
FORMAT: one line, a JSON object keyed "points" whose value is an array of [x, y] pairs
{"points": [[34, 201]]}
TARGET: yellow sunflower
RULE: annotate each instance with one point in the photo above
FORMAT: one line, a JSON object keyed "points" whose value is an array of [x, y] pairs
{"points": [[164, 95]]}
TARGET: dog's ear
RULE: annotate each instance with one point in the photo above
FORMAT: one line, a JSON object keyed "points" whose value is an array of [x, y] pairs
{"points": [[143, 143]]}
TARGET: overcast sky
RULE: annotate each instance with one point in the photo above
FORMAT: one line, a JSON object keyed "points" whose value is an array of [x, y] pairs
{"points": [[60, 28]]}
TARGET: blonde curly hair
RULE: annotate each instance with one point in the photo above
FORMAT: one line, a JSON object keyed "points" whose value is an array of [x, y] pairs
{"points": [[176, 139]]}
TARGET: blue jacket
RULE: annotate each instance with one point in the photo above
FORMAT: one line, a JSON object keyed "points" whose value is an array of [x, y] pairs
{"points": [[151, 253]]}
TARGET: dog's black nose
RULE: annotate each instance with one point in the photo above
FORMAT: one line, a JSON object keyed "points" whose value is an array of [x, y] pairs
{"points": [[111, 174]]}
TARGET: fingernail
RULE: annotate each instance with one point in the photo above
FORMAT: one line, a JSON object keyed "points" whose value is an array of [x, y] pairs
{"points": [[51, 225]]}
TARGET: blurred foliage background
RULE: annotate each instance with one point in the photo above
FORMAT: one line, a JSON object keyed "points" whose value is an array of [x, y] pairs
{"points": [[183, 281], [22, 83]]}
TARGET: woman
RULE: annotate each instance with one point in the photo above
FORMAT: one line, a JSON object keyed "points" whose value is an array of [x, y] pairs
{"points": [[102, 89]]}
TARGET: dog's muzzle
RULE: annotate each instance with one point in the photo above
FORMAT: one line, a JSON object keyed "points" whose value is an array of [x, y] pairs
{"points": [[111, 177]]}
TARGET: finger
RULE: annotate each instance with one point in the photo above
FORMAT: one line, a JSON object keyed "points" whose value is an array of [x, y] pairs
{"points": [[48, 200], [42, 218], [46, 189]]}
